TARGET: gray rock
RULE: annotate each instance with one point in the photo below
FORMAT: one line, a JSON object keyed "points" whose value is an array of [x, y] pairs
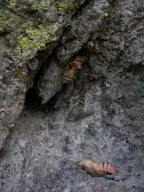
{"points": [[26, 40], [98, 115], [22, 143]]}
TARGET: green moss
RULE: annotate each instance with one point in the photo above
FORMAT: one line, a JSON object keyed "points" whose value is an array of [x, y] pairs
{"points": [[13, 2], [33, 39], [104, 15], [4, 19], [36, 6], [63, 7], [45, 9]]}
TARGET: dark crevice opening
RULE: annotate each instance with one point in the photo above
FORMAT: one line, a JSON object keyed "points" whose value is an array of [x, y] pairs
{"points": [[33, 101]]}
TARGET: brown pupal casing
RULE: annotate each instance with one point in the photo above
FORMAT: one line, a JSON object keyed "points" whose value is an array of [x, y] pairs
{"points": [[97, 169], [71, 69]]}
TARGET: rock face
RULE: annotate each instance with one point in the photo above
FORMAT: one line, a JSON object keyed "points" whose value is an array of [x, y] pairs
{"points": [[99, 115], [29, 31]]}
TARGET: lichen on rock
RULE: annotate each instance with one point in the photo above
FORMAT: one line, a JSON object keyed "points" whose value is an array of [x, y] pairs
{"points": [[33, 40], [27, 27], [98, 115]]}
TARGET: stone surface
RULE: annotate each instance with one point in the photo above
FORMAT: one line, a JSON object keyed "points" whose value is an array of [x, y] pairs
{"points": [[99, 115], [29, 31]]}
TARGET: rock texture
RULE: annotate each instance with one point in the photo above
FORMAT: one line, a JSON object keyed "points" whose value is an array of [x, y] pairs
{"points": [[99, 115], [29, 31]]}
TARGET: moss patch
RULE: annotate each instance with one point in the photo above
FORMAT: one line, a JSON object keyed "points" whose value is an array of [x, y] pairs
{"points": [[104, 15], [33, 39], [4, 20], [37, 5], [13, 2], [65, 6], [62, 7]]}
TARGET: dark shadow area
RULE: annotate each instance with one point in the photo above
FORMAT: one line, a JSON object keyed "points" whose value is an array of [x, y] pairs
{"points": [[32, 99]]}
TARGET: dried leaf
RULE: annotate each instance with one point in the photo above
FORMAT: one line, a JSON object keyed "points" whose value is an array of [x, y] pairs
{"points": [[97, 169], [71, 69]]}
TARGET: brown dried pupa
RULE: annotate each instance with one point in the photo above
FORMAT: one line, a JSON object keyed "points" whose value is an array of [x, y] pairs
{"points": [[97, 169], [72, 68]]}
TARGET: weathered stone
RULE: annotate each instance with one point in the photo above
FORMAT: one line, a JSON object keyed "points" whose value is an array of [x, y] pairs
{"points": [[29, 32], [98, 115]]}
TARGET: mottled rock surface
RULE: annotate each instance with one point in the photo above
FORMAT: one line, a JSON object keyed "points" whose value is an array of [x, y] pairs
{"points": [[29, 31], [99, 115]]}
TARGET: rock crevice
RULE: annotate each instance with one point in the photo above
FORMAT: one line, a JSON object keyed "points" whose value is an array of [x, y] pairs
{"points": [[99, 114]]}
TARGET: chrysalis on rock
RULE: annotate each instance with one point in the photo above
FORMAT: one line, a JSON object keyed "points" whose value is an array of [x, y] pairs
{"points": [[71, 69], [97, 169]]}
